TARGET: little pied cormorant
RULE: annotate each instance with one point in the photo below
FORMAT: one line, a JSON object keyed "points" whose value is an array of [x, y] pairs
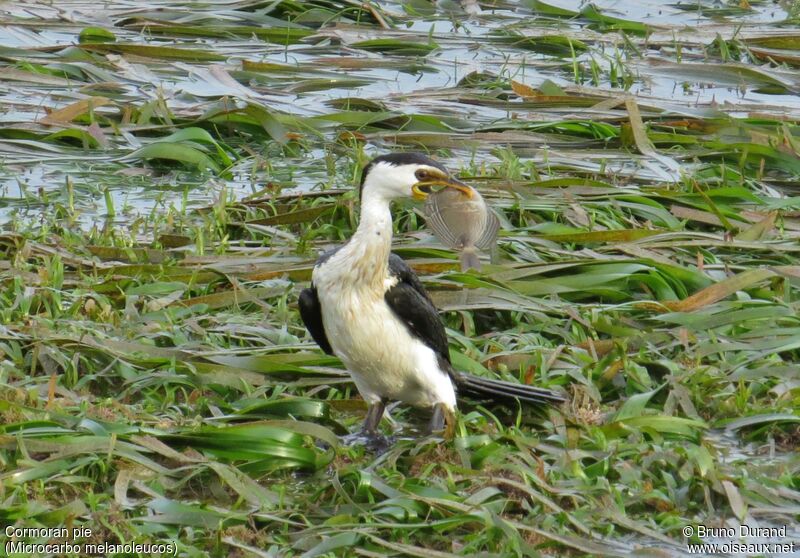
{"points": [[367, 307]]}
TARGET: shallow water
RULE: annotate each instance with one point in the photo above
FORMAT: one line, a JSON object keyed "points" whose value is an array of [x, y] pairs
{"points": [[31, 179]]}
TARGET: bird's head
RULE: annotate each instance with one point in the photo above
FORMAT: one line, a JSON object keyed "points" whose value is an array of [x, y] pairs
{"points": [[400, 175]]}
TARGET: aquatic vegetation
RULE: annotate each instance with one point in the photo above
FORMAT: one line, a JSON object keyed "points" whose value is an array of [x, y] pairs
{"points": [[169, 172]]}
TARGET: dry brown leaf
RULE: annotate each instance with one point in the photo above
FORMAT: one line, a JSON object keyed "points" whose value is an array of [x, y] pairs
{"points": [[73, 111], [718, 291], [524, 90]]}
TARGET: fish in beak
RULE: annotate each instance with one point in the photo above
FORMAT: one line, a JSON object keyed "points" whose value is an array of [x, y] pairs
{"points": [[421, 190], [461, 219]]}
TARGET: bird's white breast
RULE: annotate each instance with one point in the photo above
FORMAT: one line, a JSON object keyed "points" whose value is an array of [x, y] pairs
{"points": [[385, 360]]}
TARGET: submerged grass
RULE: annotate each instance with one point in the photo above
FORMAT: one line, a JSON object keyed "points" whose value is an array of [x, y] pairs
{"points": [[169, 172]]}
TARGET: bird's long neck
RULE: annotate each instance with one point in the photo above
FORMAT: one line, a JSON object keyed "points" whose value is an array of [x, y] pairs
{"points": [[371, 244]]}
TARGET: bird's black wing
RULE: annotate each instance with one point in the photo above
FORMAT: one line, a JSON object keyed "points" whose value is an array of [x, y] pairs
{"points": [[410, 302], [311, 310]]}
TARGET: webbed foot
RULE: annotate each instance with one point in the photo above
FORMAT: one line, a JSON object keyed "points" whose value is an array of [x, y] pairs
{"points": [[369, 436], [375, 443]]}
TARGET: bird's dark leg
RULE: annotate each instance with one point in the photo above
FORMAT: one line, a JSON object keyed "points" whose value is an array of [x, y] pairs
{"points": [[373, 418], [369, 435], [443, 420]]}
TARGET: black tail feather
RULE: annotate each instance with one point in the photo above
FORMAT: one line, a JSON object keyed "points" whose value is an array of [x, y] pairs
{"points": [[494, 389]]}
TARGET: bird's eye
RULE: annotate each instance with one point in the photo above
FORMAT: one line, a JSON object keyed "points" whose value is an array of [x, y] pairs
{"points": [[421, 174]]}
